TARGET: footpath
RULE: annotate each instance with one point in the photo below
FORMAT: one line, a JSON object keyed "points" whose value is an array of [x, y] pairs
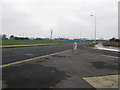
{"points": [[82, 68]]}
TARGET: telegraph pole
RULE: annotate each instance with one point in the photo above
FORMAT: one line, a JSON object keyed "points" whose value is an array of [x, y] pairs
{"points": [[51, 34]]}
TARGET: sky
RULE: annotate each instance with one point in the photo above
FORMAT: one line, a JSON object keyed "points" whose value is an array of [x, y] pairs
{"points": [[67, 18]]}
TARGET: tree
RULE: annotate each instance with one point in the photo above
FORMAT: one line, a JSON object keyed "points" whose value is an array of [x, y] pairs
{"points": [[4, 37], [113, 39], [12, 37]]}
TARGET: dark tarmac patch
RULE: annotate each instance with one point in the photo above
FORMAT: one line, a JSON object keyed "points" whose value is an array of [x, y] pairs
{"points": [[104, 65], [45, 58], [31, 76], [60, 56], [42, 59]]}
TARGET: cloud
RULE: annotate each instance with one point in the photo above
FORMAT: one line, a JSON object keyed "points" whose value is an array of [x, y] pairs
{"points": [[66, 17]]}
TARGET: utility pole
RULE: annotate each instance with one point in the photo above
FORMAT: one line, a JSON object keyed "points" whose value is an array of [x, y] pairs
{"points": [[51, 34]]}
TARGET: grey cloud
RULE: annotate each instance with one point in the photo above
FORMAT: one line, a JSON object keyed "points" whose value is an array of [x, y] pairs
{"points": [[34, 18]]}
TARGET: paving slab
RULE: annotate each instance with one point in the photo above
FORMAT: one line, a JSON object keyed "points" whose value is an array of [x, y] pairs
{"points": [[110, 81]]}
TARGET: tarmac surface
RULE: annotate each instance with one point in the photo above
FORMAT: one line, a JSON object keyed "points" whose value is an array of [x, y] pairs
{"points": [[10, 55], [63, 70]]}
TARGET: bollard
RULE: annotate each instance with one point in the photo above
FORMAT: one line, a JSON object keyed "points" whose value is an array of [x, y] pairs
{"points": [[75, 46]]}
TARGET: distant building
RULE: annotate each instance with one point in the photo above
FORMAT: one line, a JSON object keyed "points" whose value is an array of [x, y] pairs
{"points": [[38, 39], [21, 38], [12, 37]]}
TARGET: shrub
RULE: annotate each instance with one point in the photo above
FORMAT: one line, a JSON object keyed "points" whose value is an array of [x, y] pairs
{"points": [[111, 43]]}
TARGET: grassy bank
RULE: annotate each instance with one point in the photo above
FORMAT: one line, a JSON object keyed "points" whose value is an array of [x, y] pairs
{"points": [[23, 42], [110, 43], [91, 45]]}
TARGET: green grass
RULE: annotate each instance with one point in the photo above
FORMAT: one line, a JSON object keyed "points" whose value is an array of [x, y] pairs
{"points": [[91, 45], [111, 43], [22, 42], [0, 42], [24, 46]]}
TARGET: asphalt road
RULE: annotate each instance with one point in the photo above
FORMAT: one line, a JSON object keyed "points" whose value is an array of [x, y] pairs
{"points": [[10, 55], [62, 70]]}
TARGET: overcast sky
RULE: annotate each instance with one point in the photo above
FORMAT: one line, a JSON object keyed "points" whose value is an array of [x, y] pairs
{"points": [[68, 18]]}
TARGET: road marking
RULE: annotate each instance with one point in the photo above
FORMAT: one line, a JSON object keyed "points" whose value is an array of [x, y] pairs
{"points": [[18, 62], [110, 56], [110, 81]]}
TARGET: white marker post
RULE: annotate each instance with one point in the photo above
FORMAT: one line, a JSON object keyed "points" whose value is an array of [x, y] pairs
{"points": [[75, 46]]}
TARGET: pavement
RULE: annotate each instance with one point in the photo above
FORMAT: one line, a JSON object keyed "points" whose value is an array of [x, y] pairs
{"points": [[83, 68]]}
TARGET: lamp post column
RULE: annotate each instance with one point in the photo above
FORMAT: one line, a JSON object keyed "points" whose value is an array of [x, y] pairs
{"points": [[95, 28]]}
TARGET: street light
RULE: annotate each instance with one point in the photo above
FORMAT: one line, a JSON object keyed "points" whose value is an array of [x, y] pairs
{"points": [[95, 27]]}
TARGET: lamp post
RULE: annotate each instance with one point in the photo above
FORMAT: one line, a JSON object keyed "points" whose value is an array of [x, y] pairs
{"points": [[95, 27]]}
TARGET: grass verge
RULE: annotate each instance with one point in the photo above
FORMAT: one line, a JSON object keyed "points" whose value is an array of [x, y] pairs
{"points": [[110, 43], [24, 46], [23, 42], [91, 45]]}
